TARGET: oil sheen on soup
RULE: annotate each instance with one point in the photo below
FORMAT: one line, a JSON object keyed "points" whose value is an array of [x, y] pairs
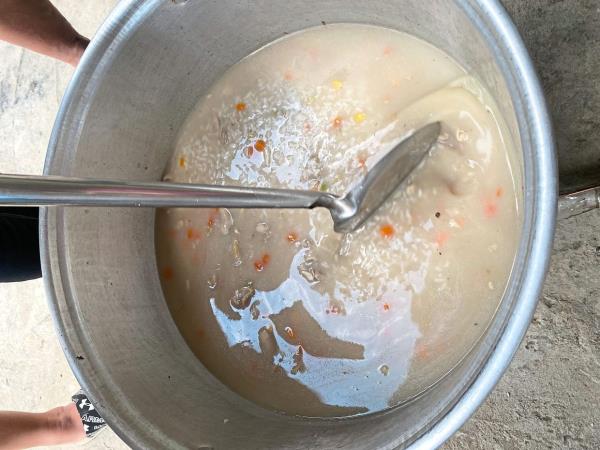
{"points": [[282, 309]]}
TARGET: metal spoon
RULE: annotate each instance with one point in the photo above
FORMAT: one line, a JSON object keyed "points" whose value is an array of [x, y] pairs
{"points": [[348, 212]]}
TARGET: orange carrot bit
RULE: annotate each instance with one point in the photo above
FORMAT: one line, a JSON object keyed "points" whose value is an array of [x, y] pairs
{"points": [[211, 221], [292, 237], [441, 238], [193, 234], [499, 192], [182, 161], [386, 307], [387, 51], [260, 145], [249, 151], [362, 162], [262, 263], [490, 209], [167, 273], [337, 123], [387, 231], [288, 75], [241, 106]]}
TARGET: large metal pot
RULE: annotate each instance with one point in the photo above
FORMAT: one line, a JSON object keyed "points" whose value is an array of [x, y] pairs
{"points": [[143, 72]]}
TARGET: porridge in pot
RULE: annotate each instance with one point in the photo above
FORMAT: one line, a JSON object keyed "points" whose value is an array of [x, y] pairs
{"points": [[282, 309]]}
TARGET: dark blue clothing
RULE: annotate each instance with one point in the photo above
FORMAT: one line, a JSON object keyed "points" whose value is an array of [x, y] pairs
{"points": [[19, 244]]}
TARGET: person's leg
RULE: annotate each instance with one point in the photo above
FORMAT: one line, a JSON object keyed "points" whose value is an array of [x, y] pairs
{"points": [[19, 244]]}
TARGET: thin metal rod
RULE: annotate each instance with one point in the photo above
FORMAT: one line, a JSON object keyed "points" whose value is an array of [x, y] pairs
{"points": [[579, 202], [29, 190]]}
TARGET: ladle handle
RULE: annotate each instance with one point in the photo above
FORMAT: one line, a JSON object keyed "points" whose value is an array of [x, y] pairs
{"points": [[579, 202], [29, 190]]}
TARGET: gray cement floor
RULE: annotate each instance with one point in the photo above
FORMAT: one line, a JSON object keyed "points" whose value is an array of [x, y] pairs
{"points": [[549, 398]]}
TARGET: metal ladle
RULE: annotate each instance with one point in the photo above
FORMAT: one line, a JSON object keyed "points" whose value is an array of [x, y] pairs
{"points": [[348, 212]]}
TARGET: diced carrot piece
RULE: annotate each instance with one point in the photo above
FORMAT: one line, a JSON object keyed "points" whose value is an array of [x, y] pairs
{"points": [[387, 51], [262, 263], [337, 123], [181, 161], [193, 234], [386, 307], [292, 236], [260, 145], [241, 106], [499, 192], [387, 231]]}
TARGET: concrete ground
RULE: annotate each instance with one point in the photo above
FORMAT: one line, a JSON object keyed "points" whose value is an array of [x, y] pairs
{"points": [[549, 398]]}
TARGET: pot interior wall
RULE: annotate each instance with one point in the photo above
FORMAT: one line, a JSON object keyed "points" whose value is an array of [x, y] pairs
{"points": [[122, 125]]}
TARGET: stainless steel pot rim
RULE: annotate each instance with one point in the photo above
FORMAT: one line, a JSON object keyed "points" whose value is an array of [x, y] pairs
{"points": [[129, 14]]}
